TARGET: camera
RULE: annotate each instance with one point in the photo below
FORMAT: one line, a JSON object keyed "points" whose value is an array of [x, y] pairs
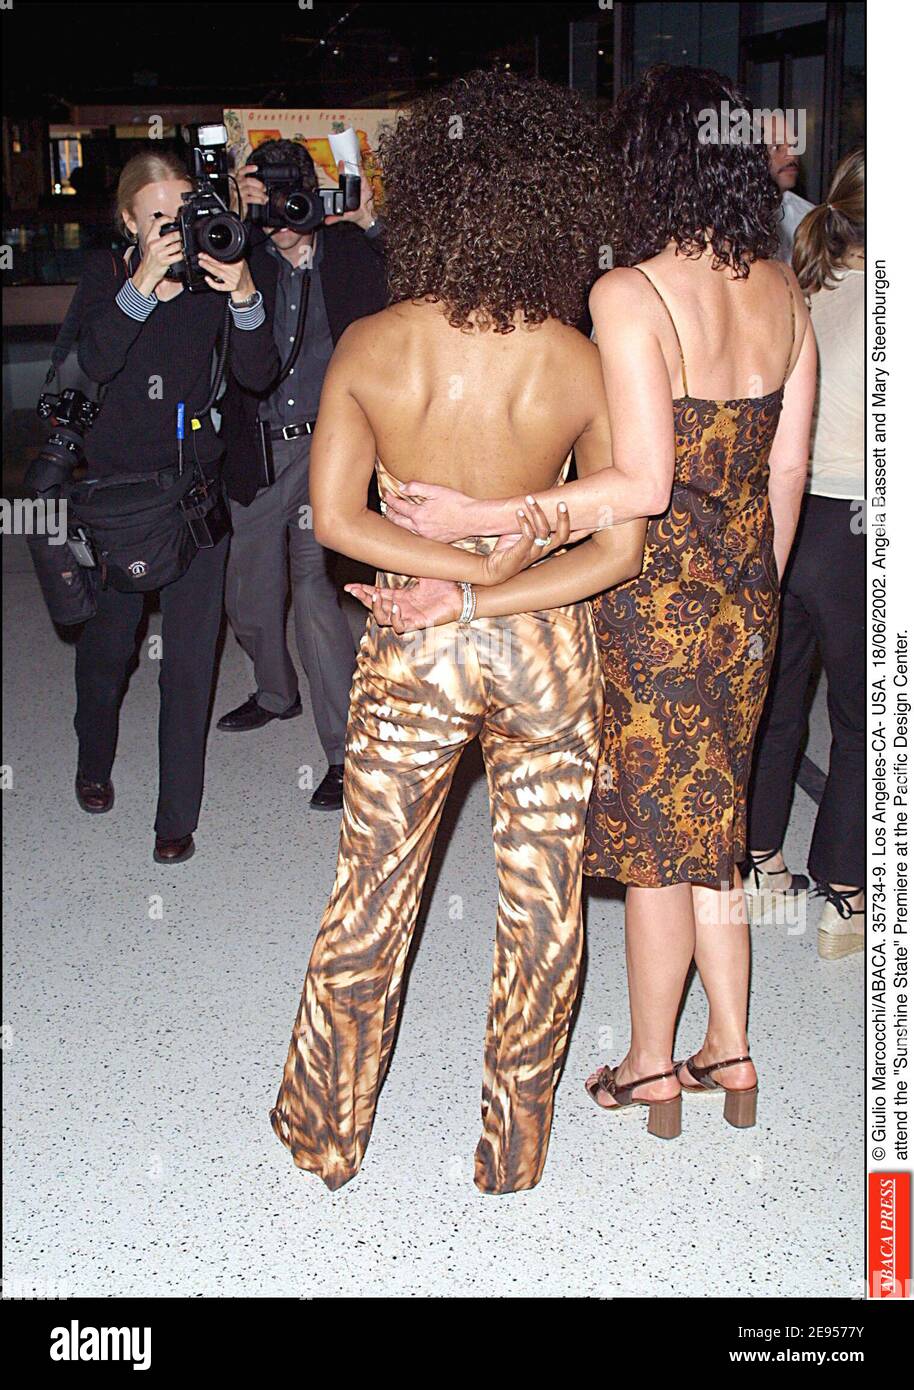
{"points": [[302, 209], [71, 414], [204, 220]]}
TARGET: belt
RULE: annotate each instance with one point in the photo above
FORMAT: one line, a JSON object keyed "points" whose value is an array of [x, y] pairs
{"points": [[294, 431]]}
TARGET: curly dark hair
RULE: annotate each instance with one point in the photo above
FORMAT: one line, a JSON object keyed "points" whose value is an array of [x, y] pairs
{"points": [[673, 186], [496, 199]]}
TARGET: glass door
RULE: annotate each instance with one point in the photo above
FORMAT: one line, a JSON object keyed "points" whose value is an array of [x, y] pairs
{"points": [[785, 69]]}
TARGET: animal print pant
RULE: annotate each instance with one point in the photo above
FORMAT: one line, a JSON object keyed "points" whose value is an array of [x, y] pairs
{"points": [[530, 688]]}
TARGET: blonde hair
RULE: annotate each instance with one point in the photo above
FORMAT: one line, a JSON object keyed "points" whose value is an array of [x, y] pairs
{"points": [[826, 234], [149, 166]]}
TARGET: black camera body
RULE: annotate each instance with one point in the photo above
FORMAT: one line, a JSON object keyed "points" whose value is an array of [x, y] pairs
{"points": [[301, 209], [205, 224], [71, 414], [204, 221], [69, 409]]}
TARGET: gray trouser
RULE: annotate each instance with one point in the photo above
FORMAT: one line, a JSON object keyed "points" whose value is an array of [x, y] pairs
{"points": [[267, 533]]}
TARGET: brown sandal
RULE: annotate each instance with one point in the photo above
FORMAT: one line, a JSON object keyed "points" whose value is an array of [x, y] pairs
{"points": [[664, 1116], [740, 1105]]}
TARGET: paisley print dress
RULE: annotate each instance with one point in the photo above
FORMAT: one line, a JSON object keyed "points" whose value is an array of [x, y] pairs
{"points": [[686, 650]]}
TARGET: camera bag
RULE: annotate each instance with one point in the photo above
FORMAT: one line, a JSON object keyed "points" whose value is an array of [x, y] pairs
{"points": [[139, 532]]}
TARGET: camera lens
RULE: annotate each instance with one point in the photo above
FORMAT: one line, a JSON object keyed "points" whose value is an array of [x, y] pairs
{"points": [[219, 238], [54, 464], [302, 210], [223, 237]]}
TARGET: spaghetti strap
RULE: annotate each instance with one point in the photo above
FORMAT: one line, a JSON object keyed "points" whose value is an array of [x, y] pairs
{"points": [[793, 318], [685, 384]]}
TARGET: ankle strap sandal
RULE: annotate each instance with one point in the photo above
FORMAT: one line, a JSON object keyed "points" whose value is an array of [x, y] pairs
{"points": [[840, 899], [799, 883], [842, 928], [664, 1119], [740, 1106]]}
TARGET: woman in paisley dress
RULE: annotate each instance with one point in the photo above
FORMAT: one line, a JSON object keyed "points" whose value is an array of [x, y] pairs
{"points": [[709, 366]]}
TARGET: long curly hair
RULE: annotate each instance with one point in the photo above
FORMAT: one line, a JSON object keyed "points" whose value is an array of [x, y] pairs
{"points": [[675, 184], [497, 199]]}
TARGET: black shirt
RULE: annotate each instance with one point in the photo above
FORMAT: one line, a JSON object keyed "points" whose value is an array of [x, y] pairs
{"points": [[148, 367], [353, 283], [297, 396]]}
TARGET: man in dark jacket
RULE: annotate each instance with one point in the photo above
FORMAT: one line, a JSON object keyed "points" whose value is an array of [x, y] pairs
{"points": [[333, 275]]}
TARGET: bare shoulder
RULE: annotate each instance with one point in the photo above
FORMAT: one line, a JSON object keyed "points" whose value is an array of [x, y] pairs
{"points": [[369, 334], [578, 356], [777, 273], [798, 295], [620, 290], [779, 276]]}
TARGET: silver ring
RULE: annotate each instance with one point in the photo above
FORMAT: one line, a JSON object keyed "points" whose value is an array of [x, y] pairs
{"points": [[538, 541]]}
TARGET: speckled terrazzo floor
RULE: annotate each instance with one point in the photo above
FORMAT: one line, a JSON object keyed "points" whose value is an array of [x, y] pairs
{"points": [[142, 1054]]}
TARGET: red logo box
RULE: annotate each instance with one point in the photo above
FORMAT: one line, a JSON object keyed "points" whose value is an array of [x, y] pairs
{"points": [[889, 1242]]}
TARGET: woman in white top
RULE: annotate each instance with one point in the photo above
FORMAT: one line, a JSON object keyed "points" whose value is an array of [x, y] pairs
{"points": [[823, 592]]}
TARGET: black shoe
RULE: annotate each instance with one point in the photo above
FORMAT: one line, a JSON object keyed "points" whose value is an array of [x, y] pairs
{"points": [[329, 795], [173, 851], [94, 797], [250, 715]]}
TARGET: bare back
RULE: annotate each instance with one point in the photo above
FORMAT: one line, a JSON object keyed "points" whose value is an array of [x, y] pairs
{"points": [[738, 337], [488, 413]]}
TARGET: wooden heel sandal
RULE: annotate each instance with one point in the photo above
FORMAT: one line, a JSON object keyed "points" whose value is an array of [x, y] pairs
{"points": [[664, 1119], [740, 1106]]}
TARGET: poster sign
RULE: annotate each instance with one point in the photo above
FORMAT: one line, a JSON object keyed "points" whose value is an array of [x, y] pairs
{"points": [[250, 127]]}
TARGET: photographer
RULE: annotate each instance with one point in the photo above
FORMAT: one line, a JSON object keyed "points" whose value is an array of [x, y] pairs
{"points": [[333, 275], [151, 343]]}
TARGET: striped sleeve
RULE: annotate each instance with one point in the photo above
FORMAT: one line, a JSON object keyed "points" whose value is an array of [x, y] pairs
{"points": [[251, 317], [133, 304]]}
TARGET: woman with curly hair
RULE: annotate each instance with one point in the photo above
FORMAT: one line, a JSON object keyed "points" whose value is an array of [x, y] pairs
{"points": [[709, 365], [496, 193]]}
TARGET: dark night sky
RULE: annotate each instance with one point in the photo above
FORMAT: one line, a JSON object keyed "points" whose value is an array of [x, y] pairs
{"points": [[56, 54]]}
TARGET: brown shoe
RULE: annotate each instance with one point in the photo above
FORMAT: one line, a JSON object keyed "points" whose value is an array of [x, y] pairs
{"points": [[94, 797], [173, 851], [664, 1117], [740, 1106]]}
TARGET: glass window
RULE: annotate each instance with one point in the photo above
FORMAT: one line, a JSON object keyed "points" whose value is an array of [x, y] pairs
{"points": [[765, 17], [852, 115], [665, 34], [805, 88], [700, 35]]}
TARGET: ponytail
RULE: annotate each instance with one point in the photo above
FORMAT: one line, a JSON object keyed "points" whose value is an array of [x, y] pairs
{"points": [[831, 230]]}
